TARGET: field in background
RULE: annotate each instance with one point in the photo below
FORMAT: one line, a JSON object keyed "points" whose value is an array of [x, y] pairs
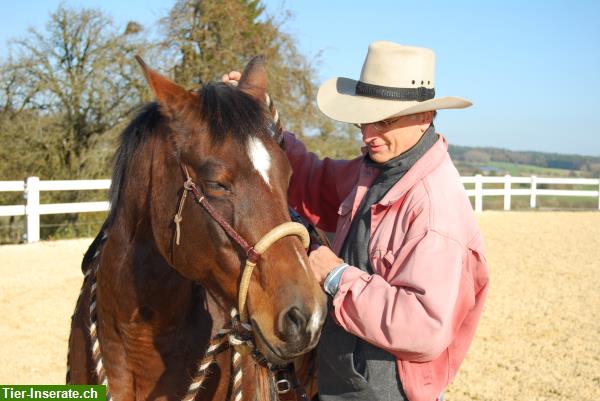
{"points": [[539, 337], [527, 169], [544, 203], [516, 169]]}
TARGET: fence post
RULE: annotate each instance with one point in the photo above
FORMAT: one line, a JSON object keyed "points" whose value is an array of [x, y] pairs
{"points": [[507, 189], [32, 209], [532, 202], [478, 193]]}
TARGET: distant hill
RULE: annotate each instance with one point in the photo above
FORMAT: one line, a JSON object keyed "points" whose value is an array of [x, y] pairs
{"points": [[495, 161], [474, 160]]}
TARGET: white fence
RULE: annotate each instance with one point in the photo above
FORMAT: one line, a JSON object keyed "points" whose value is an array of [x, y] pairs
{"points": [[32, 187], [532, 190], [32, 209]]}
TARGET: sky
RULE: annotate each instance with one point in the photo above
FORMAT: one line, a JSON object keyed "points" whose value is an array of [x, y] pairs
{"points": [[532, 69]]}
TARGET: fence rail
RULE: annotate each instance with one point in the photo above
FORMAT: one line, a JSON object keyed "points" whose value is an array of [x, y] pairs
{"points": [[533, 191], [32, 208], [32, 187]]}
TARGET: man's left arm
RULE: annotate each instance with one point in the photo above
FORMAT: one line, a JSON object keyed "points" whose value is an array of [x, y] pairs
{"points": [[414, 315]]}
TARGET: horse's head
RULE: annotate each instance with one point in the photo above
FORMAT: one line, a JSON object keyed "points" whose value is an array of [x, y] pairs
{"points": [[222, 136]]}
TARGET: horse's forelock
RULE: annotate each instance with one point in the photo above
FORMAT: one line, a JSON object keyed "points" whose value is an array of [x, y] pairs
{"points": [[228, 111]]}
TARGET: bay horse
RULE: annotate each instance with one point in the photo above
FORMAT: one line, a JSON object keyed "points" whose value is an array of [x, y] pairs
{"points": [[161, 294]]}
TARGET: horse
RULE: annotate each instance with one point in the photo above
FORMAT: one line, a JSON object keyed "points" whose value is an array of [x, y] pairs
{"points": [[175, 302]]}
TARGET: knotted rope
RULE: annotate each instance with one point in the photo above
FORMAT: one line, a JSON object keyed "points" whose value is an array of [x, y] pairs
{"points": [[240, 337], [91, 274], [187, 186]]}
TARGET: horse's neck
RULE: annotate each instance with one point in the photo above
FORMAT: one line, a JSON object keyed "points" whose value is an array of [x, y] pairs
{"points": [[133, 272], [154, 325]]}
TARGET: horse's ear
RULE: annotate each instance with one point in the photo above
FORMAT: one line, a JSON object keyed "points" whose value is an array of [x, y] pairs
{"points": [[169, 95], [254, 79]]}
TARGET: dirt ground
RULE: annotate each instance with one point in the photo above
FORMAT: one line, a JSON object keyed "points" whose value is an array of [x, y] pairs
{"points": [[539, 337]]}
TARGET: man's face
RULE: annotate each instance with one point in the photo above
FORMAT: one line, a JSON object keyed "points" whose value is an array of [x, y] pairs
{"points": [[390, 138]]}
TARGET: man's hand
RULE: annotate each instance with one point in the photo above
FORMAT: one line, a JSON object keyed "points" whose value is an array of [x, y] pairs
{"points": [[322, 261], [233, 78]]}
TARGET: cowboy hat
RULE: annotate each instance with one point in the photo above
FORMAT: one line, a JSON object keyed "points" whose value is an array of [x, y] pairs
{"points": [[395, 81]]}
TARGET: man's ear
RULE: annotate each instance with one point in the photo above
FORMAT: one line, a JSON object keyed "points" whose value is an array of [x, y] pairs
{"points": [[425, 119], [171, 97], [254, 79]]}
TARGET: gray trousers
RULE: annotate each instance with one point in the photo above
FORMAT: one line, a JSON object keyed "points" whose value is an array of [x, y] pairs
{"points": [[353, 369]]}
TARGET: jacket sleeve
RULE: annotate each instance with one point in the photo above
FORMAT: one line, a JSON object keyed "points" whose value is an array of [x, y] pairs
{"points": [[318, 186], [416, 313]]}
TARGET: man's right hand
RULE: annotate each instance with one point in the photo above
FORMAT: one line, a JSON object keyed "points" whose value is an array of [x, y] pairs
{"points": [[233, 78]]}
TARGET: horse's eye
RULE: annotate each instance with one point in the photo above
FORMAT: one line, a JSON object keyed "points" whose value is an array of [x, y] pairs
{"points": [[217, 186]]}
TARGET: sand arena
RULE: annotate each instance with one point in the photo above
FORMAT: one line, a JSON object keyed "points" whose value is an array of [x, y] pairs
{"points": [[539, 338]]}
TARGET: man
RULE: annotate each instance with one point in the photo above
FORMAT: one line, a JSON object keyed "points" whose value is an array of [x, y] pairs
{"points": [[407, 275]]}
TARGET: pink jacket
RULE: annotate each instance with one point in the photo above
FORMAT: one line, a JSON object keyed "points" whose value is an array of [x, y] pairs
{"points": [[425, 299]]}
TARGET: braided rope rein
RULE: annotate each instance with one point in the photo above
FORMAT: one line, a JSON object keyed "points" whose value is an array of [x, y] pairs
{"points": [[239, 336], [96, 353], [275, 115], [90, 274]]}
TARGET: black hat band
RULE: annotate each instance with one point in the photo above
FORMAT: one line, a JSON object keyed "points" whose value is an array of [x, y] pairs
{"points": [[419, 94]]}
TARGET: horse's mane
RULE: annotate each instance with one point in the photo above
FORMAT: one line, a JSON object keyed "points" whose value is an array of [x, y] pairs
{"points": [[227, 111]]}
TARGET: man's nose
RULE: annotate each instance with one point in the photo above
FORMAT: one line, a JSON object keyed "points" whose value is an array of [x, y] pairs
{"points": [[367, 131]]}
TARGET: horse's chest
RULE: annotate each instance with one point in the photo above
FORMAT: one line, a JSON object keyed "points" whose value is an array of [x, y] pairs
{"points": [[139, 343], [148, 359]]}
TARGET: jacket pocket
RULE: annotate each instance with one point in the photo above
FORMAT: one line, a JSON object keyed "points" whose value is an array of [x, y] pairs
{"points": [[382, 261]]}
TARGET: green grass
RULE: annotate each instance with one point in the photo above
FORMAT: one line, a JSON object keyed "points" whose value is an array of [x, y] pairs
{"points": [[526, 169], [518, 170]]}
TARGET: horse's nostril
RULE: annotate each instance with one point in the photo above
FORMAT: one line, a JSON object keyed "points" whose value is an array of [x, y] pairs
{"points": [[293, 324], [294, 318]]}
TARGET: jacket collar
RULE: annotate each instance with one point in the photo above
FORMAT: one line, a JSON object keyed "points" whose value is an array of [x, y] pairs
{"points": [[425, 165]]}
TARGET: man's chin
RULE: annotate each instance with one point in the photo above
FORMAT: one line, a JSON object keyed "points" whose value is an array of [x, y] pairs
{"points": [[379, 157]]}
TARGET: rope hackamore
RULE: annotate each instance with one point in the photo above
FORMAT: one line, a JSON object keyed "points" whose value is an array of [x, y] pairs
{"points": [[241, 337]]}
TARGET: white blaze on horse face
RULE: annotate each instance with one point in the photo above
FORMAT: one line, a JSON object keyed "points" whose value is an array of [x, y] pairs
{"points": [[260, 158], [301, 259], [315, 322]]}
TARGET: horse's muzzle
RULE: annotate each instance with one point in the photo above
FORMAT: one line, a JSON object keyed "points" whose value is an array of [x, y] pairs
{"points": [[295, 336], [293, 326]]}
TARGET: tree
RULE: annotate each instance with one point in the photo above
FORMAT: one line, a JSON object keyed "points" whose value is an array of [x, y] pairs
{"points": [[80, 76], [207, 38], [477, 156], [64, 94]]}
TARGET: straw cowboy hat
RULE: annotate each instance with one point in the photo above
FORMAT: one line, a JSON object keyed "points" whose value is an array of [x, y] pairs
{"points": [[395, 81]]}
